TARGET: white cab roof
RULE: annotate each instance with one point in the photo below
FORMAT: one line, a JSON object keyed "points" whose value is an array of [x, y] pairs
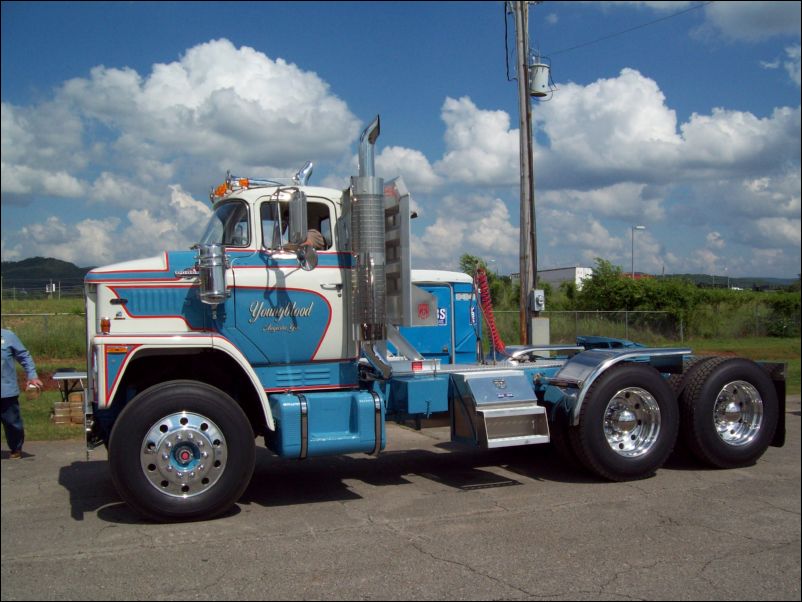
{"points": [[440, 276]]}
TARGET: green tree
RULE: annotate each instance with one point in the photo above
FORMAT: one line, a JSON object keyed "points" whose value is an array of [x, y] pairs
{"points": [[607, 289], [568, 289], [469, 264]]}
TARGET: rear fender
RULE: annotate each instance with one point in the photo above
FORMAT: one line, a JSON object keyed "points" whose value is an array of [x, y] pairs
{"points": [[580, 372]]}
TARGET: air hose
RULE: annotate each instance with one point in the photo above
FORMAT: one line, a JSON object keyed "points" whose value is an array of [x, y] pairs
{"points": [[487, 310]]}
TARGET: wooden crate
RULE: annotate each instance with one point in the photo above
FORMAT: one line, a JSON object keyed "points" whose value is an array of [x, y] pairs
{"points": [[62, 413], [77, 412]]}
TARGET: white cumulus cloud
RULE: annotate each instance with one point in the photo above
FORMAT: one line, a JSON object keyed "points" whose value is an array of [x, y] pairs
{"points": [[482, 149], [473, 223]]}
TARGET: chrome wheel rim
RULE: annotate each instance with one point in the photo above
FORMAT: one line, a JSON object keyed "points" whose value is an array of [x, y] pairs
{"points": [[738, 413], [632, 422], [183, 454]]}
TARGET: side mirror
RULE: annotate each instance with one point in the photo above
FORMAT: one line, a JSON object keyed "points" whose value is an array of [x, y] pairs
{"points": [[298, 227], [307, 257]]}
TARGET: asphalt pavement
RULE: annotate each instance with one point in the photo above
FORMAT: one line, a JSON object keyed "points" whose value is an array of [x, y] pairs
{"points": [[424, 520]]}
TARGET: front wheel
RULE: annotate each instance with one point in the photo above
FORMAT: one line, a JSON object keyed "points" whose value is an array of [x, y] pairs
{"points": [[181, 450], [628, 424]]}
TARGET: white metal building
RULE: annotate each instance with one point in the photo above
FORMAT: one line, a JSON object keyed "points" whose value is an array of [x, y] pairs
{"points": [[557, 276]]}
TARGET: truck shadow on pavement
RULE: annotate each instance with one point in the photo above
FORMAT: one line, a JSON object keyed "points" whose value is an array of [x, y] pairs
{"points": [[325, 479], [92, 491], [280, 482]]}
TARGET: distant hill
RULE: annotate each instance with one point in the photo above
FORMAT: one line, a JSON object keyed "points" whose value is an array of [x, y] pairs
{"points": [[30, 276], [746, 283]]}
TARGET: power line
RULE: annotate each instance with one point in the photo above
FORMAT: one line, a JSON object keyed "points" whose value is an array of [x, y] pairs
{"points": [[506, 8], [641, 26]]}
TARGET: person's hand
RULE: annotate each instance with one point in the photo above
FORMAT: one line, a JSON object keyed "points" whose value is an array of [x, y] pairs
{"points": [[315, 239], [35, 382]]}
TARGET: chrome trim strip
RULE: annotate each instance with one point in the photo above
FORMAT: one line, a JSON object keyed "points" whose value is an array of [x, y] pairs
{"points": [[377, 401], [304, 427]]}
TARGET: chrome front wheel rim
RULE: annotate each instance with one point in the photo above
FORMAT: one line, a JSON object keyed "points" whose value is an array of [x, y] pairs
{"points": [[183, 454]]}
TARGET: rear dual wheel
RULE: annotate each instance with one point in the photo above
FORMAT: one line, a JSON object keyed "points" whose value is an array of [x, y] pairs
{"points": [[627, 425], [729, 411]]}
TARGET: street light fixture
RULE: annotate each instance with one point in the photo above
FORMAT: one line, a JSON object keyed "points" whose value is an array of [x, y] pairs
{"points": [[633, 248]]}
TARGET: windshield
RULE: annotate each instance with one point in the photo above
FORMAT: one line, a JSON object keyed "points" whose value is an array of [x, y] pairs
{"points": [[228, 225]]}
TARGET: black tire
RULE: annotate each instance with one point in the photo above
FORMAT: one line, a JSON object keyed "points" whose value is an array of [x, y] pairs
{"points": [[181, 450], [729, 413], [678, 382], [627, 425]]}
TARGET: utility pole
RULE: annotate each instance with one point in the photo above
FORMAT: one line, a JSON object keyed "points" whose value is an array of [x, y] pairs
{"points": [[632, 273], [528, 245]]}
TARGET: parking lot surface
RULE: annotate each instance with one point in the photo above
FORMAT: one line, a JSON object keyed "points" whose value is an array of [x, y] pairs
{"points": [[424, 520]]}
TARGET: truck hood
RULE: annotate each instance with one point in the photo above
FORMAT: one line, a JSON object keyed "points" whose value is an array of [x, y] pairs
{"points": [[161, 267]]}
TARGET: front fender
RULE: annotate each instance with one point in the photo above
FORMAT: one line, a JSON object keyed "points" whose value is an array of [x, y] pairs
{"points": [[114, 353]]}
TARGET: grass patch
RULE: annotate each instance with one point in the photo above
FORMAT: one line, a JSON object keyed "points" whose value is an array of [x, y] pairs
{"points": [[57, 328], [769, 349], [37, 414], [37, 417]]}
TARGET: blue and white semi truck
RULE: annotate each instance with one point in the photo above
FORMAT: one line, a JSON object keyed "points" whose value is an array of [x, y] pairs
{"points": [[192, 355]]}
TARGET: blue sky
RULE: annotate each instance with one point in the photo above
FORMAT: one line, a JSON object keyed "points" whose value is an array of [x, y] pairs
{"points": [[684, 117]]}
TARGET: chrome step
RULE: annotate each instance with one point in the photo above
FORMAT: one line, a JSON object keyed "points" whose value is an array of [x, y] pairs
{"points": [[497, 409]]}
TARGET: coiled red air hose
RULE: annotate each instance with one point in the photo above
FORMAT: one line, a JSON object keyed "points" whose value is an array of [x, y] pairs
{"points": [[487, 310]]}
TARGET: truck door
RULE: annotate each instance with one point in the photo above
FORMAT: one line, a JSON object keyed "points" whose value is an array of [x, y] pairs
{"points": [[294, 316]]}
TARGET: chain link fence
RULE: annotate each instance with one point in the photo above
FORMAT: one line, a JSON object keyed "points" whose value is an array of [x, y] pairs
{"points": [[39, 289], [49, 335], [61, 335], [658, 327], [652, 327]]}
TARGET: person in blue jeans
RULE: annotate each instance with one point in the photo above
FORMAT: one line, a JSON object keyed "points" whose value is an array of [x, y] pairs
{"points": [[14, 350]]}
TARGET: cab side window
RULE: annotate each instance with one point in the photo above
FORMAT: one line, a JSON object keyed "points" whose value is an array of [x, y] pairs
{"points": [[274, 230], [320, 220]]}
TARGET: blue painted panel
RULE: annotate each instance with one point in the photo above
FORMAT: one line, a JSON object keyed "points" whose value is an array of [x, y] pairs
{"points": [[467, 323], [419, 395], [164, 302], [287, 325], [316, 375], [114, 363], [435, 341], [338, 423]]}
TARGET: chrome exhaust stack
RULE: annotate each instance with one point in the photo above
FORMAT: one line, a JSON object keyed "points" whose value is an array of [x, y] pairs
{"points": [[367, 235], [368, 242]]}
